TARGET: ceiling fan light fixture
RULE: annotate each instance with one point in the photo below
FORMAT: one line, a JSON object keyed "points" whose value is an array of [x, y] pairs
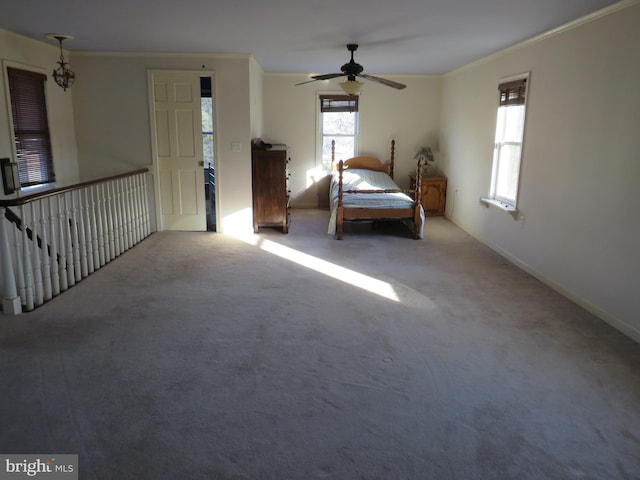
{"points": [[351, 87], [352, 70]]}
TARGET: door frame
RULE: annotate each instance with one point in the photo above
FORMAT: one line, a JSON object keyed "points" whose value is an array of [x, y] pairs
{"points": [[154, 140]]}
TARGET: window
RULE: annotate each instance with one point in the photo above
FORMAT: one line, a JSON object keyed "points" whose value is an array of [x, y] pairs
{"points": [[508, 142], [339, 122], [30, 127]]}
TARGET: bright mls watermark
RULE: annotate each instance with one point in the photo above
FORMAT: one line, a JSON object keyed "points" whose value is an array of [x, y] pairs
{"points": [[47, 466]]}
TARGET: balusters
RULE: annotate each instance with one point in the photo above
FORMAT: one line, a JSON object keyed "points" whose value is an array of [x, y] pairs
{"points": [[10, 299], [62, 238], [62, 259], [114, 244], [138, 207], [107, 224], [94, 264], [137, 195], [145, 198], [98, 215], [26, 261], [129, 208], [36, 263], [68, 241], [55, 274], [86, 231], [135, 211], [126, 232], [123, 215], [46, 255], [17, 243], [75, 237], [117, 232]]}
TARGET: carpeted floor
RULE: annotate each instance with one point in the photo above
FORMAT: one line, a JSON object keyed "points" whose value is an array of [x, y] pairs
{"points": [[202, 356]]}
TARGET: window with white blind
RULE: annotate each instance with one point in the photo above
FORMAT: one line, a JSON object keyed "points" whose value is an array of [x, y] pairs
{"points": [[338, 122], [507, 152], [30, 127]]}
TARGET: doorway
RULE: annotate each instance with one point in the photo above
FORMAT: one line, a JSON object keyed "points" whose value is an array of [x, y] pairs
{"points": [[208, 147], [183, 112]]}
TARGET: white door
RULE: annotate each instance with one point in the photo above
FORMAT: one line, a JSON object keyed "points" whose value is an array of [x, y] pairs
{"points": [[178, 123]]}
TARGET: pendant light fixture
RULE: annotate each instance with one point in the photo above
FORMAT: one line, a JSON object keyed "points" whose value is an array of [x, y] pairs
{"points": [[63, 76]]}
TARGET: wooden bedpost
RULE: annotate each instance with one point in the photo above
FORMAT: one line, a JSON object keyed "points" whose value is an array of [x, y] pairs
{"points": [[417, 220], [340, 209], [393, 154], [333, 154], [418, 181]]}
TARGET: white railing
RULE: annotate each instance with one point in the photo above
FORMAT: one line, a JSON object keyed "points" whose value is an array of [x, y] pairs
{"points": [[49, 241]]}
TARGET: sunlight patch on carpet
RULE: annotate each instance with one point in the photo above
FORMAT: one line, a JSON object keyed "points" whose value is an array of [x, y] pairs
{"points": [[346, 275]]}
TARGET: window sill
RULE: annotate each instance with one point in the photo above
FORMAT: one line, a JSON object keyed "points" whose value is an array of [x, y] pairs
{"points": [[510, 209]]}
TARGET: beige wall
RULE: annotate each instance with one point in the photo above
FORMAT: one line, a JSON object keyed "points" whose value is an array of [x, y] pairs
{"points": [[112, 121], [22, 52], [256, 98], [580, 170], [410, 116]]}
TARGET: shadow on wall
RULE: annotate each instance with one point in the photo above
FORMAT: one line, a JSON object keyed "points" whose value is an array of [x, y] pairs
{"points": [[314, 196]]}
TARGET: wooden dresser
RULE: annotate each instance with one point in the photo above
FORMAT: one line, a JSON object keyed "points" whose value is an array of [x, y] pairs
{"points": [[433, 196], [270, 188]]}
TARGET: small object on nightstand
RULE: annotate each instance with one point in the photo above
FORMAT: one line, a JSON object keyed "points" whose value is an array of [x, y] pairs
{"points": [[425, 155], [433, 196]]}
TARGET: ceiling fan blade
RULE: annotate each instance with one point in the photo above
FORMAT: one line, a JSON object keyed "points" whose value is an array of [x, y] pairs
{"points": [[384, 81], [327, 76], [308, 81]]}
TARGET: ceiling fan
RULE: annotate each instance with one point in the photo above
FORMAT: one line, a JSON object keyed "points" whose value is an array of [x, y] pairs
{"points": [[352, 70]]}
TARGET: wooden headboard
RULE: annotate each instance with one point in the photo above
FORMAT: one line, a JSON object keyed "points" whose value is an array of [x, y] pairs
{"points": [[367, 163]]}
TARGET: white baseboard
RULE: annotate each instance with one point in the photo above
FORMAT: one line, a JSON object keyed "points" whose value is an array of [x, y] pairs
{"points": [[616, 323]]}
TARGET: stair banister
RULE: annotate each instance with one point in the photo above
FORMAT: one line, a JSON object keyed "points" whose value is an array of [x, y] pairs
{"points": [[62, 235]]}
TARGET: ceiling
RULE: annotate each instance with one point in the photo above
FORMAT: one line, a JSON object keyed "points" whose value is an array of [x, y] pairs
{"points": [[300, 36]]}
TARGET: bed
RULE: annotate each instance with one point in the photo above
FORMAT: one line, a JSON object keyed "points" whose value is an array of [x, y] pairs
{"points": [[362, 188]]}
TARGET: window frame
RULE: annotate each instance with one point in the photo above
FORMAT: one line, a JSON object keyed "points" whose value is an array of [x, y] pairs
{"points": [[319, 130], [49, 165], [512, 91]]}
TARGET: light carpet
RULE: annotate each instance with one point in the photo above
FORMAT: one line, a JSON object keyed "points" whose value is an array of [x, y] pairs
{"points": [[203, 356]]}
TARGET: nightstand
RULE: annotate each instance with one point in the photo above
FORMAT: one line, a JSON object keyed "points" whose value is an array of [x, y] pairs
{"points": [[433, 196]]}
